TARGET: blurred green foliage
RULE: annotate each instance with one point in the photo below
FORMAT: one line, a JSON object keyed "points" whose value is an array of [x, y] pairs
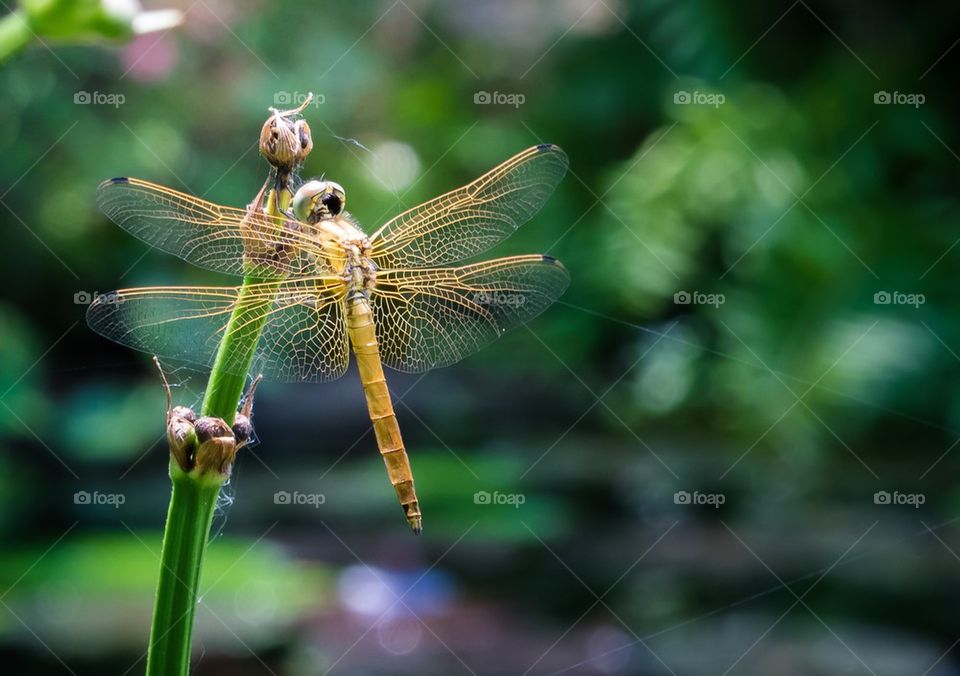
{"points": [[84, 606]]}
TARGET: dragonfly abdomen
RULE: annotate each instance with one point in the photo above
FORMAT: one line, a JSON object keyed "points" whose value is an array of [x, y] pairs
{"points": [[364, 340]]}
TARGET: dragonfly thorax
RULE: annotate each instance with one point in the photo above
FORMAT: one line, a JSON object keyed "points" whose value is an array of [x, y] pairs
{"points": [[321, 204], [359, 271]]}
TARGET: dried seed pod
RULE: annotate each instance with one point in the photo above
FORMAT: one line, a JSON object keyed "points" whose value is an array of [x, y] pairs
{"points": [[217, 448], [242, 422], [181, 440], [218, 443], [210, 428], [184, 412], [285, 141], [242, 430], [181, 435]]}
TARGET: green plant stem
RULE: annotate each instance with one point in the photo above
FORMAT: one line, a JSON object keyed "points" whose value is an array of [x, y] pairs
{"points": [[194, 499], [240, 339], [14, 34], [194, 496], [192, 504], [237, 347]]}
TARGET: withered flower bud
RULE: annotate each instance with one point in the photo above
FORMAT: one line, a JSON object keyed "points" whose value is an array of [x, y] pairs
{"points": [[285, 141], [242, 429], [184, 412], [209, 428], [206, 444], [181, 436], [218, 447], [243, 421]]}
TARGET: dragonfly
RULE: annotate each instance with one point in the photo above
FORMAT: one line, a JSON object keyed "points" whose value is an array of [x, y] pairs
{"points": [[321, 288]]}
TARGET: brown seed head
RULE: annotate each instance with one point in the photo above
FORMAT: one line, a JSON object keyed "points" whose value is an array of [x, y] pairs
{"points": [[285, 141], [210, 428], [184, 413], [217, 448], [242, 429], [182, 436]]}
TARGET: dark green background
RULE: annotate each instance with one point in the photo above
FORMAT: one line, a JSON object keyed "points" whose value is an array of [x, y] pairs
{"points": [[798, 199]]}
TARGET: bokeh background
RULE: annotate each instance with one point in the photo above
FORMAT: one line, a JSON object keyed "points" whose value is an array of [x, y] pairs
{"points": [[729, 448]]}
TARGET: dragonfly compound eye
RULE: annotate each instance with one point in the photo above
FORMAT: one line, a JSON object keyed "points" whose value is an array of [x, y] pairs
{"points": [[333, 204], [318, 200], [334, 199]]}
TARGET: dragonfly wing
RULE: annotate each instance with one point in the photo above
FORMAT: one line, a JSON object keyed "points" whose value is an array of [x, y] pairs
{"points": [[305, 340], [427, 318], [303, 330], [471, 219], [209, 235]]}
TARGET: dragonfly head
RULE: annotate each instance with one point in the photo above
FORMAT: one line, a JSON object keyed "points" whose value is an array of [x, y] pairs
{"points": [[317, 201]]}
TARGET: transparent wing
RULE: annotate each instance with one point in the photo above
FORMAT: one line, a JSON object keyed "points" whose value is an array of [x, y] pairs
{"points": [[435, 317], [209, 235], [304, 335], [471, 219]]}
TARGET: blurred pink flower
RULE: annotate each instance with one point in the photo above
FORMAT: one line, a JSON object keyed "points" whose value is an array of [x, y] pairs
{"points": [[149, 57]]}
